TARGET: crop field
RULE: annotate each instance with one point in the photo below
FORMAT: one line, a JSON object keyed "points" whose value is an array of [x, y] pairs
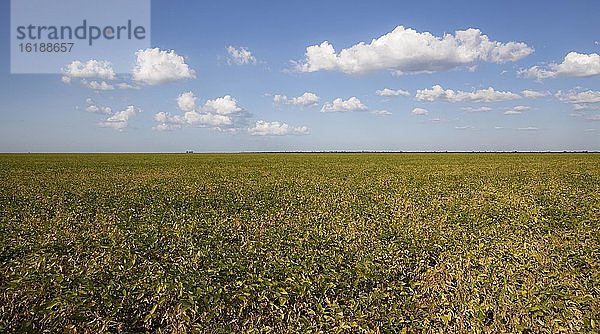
{"points": [[218, 243]]}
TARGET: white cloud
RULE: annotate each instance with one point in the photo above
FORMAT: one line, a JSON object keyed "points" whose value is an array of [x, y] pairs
{"points": [[483, 95], [517, 110], [521, 108], [532, 94], [125, 85], [420, 111], [92, 107], [537, 73], [223, 106], [91, 69], [192, 118], [264, 128], [240, 56], [339, 105], [119, 120], [464, 127], [219, 113], [95, 85], [574, 65], [211, 120], [280, 99], [478, 109], [593, 117], [186, 101], [405, 50], [392, 92], [155, 66], [529, 128], [574, 97], [305, 100], [381, 112]]}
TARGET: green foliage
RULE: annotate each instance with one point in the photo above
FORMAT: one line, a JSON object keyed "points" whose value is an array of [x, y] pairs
{"points": [[314, 243]]}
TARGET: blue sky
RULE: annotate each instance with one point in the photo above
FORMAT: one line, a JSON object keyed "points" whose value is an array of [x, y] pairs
{"points": [[257, 76]]}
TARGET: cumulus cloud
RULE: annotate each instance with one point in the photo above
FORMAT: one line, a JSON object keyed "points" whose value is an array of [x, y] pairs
{"points": [[517, 110], [240, 56], [437, 93], [574, 65], [264, 128], [155, 66], [186, 101], [95, 85], [478, 109], [305, 100], [405, 50], [91, 69], [120, 120], [125, 85], [225, 105], [339, 105], [381, 112], [420, 111], [94, 108], [533, 94], [391, 92], [580, 100], [575, 97], [593, 117], [220, 113]]}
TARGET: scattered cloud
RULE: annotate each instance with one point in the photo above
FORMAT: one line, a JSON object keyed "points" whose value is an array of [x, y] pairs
{"points": [[186, 101], [264, 128], [119, 120], [437, 93], [464, 127], [533, 94], [91, 69], [420, 111], [575, 97], [305, 100], [225, 105], [125, 85], [529, 128], [339, 105], [95, 85], [405, 50], [574, 65], [593, 117], [478, 109], [155, 66], [240, 56], [220, 113], [92, 107], [391, 92], [582, 101], [381, 112], [517, 110], [586, 106]]}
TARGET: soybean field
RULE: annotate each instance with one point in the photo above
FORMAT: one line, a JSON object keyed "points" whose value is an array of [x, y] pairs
{"points": [[304, 242]]}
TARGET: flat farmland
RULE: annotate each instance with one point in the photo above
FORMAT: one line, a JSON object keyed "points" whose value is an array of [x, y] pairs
{"points": [[178, 243]]}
